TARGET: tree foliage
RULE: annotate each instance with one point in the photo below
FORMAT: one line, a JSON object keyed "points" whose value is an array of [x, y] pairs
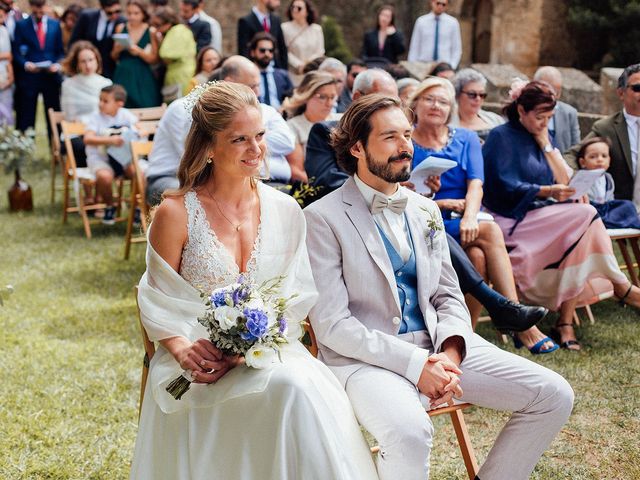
{"points": [[334, 44]]}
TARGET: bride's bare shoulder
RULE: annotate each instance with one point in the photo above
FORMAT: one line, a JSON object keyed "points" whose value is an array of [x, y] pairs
{"points": [[169, 225]]}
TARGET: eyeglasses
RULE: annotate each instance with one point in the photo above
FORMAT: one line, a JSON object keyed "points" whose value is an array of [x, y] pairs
{"points": [[114, 11], [441, 4], [474, 95], [440, 102], [635, 87], [298, 8], [266, 50], [325, 98]]}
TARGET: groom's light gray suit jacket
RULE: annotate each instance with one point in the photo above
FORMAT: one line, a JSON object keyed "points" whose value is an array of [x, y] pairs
{"points": [[357, 316]]}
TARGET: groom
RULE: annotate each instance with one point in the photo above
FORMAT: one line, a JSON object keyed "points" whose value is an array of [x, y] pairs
{"points": [[391, 322]]}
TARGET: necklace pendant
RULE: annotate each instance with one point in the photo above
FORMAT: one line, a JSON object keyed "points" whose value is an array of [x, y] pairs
{"points": [[238, 228]]}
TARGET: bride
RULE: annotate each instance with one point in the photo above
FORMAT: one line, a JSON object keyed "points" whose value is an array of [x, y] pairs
{"points": [[290, 421]]}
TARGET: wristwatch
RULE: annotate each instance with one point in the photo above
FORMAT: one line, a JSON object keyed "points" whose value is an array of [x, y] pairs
{"points": [[548, 148]]}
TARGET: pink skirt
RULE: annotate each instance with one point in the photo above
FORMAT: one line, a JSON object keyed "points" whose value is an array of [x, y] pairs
{"points": [[560, 252]]}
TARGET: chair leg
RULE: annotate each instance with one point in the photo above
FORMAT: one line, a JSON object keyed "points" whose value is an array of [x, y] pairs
{"points": [[65, 199], [622, 244], [636, 253], [576, 318], [143, 382], [83, 214], [130, 217], [590, 316], [462, 434], [53, 178]]}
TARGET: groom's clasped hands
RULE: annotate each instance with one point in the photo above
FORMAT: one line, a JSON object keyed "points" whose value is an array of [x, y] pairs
{"points": [[439, 380]]}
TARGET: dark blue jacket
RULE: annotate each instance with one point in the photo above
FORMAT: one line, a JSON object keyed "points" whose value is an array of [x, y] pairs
{"points": [[26, 48]]}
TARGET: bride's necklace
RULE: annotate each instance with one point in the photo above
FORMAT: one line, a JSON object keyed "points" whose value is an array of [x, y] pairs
{"points": [[236, 226]]}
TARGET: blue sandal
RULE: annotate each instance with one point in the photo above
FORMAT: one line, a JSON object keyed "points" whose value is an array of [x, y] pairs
{"points": [[536, 349]]}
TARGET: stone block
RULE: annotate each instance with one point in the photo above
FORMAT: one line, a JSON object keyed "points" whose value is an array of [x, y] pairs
{"points": [[609, 83], [499, 78], [418, 70], [580, 91]]}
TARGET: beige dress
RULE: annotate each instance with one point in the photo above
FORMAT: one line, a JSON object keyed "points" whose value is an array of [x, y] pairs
{"points": [[303, 44]]}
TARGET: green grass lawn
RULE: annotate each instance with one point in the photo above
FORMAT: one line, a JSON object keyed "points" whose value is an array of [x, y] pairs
{"points": [[71, 357]]}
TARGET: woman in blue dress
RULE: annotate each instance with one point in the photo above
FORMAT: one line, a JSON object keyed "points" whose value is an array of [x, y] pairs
{"points": [[460, 195]]}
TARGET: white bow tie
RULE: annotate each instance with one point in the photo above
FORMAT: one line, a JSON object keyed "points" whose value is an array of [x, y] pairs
{"points": [[380, 202]]}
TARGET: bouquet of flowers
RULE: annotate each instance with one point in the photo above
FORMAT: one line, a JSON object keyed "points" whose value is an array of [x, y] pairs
{"points": [[243, 319]]}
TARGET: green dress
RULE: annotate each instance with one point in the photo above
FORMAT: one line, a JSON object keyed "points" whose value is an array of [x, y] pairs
{"points": [[178, 51], [137, 78]]}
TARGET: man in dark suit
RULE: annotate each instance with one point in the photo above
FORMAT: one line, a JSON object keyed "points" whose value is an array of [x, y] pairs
{"points": [[275, 83], [262, 19], [623, 129], [37, 52], [200, 29], [96, 25]]}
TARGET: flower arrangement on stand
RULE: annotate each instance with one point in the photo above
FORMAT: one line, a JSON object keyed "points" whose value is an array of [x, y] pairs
{"points": [[16, 149]]}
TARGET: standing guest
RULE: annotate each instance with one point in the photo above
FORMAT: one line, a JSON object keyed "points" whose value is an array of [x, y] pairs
{"points": [[303, 37], [214, 26], [564, 124], [338, 70], [471, 90], [311, 102], [623, 130], [189, 10], [443, 70], [262, 19], [560, 252], [177, 51], [155, 4], [13, 16], [406, 87], [133, 70], [68, 21], [385, 40], [207, 61], [97, 25], [37, 53], [436, 37], [275, 83], [355, 67], [6, 70]]}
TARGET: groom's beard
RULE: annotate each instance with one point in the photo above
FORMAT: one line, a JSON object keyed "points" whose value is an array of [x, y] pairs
{"points": [[385, 170]]}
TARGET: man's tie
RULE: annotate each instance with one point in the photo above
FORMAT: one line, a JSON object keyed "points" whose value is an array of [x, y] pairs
{"points": [[435, 43], [40, 34], [265, 25], [266, 98], [380, 202]]}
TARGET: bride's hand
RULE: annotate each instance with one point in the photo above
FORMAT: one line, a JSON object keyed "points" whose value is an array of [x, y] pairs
{"points": [[206, 362]]}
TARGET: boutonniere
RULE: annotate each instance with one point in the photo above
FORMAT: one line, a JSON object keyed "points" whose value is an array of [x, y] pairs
{"points": [[434, 225]]}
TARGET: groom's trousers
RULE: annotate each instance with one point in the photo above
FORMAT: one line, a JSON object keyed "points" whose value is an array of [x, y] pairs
{"points": [[391, 409]]}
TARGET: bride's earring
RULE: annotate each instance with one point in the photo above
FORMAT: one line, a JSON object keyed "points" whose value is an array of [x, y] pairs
{"points": [[210, 160]]}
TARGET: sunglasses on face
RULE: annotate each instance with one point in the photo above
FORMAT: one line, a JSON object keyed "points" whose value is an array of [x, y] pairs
{"points": [[298, 8], [266, 50], [474, 95], [441, 4], [635, 87], [114, 11]]}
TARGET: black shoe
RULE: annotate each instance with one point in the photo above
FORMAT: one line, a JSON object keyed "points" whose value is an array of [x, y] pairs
{"points": [[513, 317]]}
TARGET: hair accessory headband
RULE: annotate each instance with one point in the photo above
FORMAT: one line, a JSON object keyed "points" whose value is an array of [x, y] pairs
{"points": [[516, 88], [194, 95]]}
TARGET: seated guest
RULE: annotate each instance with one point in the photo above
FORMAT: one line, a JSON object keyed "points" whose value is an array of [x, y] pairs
{"points": [[621, 129], [406, 87], [275, 83], [200, 29], [311, 102], [594, 154], [68, 21], [339, 71], [561, 254], [354, 67], [432, 106], [470, 86], [207, 61], [443, 70], [303, 37], [6, 70], [385, 40]]}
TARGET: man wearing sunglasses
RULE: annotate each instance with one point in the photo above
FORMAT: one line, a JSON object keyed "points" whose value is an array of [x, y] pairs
{"points": [[436, 37], [97, 25], [623, 129], [275, 83], [262, 19]]}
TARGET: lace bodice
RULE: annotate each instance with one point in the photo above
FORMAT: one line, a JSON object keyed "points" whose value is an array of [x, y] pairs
{"points": [[206, 263]]}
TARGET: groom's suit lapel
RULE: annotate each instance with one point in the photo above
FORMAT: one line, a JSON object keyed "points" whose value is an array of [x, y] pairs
{"points": [[359, 214], [416, 219]]}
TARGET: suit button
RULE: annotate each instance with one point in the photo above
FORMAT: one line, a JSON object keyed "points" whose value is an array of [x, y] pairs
{"points": [[396, 320], [399, 274], [408, 302]]}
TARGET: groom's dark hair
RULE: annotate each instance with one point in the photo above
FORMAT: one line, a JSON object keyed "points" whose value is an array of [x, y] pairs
{"points": [[355, 126]]}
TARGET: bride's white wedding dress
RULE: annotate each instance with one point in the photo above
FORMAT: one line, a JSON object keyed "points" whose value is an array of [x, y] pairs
{"points": [[289, 422]]}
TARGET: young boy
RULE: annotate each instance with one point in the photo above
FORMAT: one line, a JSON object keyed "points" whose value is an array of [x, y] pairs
{"points": [[105, 128]]}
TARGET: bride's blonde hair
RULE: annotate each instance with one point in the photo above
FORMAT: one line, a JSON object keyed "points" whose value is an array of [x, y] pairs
{"points": [[212, 114]]}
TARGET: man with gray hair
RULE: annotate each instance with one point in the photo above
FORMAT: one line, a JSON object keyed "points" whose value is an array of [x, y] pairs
{"points": [[564, 124], [338, 70]]}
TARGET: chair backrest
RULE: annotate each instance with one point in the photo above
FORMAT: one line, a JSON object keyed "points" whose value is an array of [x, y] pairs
{"points": [[310, 337], [138, 150], [149, 126], [151, 113], [55, 119], [68, 130]]}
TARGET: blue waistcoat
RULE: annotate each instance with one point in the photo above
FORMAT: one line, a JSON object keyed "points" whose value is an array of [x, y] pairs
{"points": [[406, 275]]}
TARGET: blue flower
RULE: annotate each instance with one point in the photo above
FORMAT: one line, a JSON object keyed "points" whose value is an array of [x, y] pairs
{"points": [[257, 324], [218, 298], [282, 325], [240, 294]]}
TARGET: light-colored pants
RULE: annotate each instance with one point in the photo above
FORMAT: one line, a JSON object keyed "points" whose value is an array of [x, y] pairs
{"points": [[389, 407]]}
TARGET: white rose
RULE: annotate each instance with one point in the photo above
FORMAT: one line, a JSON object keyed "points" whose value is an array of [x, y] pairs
{"points": [[226, 316], [260, 356], [255, 303]]}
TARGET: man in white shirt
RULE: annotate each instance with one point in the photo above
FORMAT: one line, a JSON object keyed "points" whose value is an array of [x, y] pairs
{"points": [[436, 37], [402, 340], [214, 25]]}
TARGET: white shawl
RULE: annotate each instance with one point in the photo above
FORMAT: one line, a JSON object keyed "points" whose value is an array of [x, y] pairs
{"points": [[169, 306]]}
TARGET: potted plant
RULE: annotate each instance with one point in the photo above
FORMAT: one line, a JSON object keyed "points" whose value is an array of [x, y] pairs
{"points": [[17, 148]]}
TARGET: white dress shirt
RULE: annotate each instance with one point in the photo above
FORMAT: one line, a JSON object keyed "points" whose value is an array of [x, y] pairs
{"points": [[104, 21], [280, 142], [261, 16], [423, 40], [632, 130], [395, 227], [216, 31]]}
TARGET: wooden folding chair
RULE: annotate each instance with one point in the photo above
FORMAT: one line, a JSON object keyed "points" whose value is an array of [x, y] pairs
{"points": [[454, 410], [149, 351], [138, 149], [151, 113], [624, 238], [55, 118]]}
